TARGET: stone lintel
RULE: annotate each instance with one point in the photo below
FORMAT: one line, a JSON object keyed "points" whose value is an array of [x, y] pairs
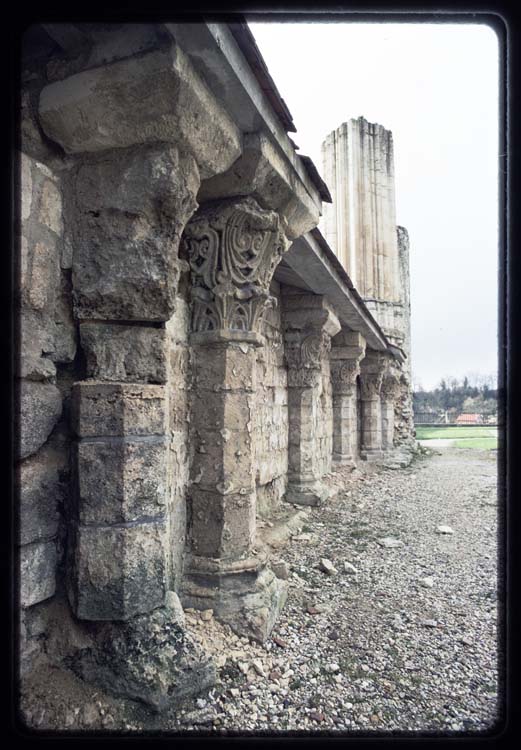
{"points": [[263, 172], [150, 98]]}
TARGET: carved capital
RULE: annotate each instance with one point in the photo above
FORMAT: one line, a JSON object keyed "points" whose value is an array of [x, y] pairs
{"points": [[233, 249], [370, 384], [344, 373], [304, 354], [390, 387]]}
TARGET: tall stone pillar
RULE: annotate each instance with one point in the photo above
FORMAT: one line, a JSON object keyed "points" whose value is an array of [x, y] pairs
{"points": [[233, 248], [371, 375], [129, 219], [309, 324], [388, 394], [348, 348]]}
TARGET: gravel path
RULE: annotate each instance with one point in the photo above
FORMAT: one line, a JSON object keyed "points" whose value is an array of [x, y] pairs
{"points": [[404, 642]]}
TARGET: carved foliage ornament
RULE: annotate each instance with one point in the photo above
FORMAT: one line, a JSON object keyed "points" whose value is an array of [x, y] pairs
{"points": [[344, 373], [309, 353], [390, 387], [233, 249], [370, 384]]}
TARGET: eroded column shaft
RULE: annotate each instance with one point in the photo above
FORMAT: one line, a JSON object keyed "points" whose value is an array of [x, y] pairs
{"points": [[233, 248], [347, 350], [309, 324]]}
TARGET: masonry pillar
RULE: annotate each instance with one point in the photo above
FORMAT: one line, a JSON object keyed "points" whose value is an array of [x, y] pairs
{"points": [[348, 348], [233, 248], [131, 210], [309, 324], [388, 394], [371, 375]]}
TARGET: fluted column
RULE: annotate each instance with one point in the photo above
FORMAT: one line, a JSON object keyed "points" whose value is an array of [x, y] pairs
{"points": [[371, 375], [309, 324], [347, 350], [233, 248]]}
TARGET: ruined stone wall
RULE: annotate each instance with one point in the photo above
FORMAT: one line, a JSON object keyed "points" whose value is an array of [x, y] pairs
{"points": [[45, 368], [270, 415]]}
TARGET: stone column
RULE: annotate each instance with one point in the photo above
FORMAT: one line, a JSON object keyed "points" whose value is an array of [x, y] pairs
{"points": [[309, 324], [233, 248], [388, 394], [131, 210], [371, 375], [348, 348]]}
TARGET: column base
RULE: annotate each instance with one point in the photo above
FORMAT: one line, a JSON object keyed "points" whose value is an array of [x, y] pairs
{"points": [[344, 459], [370, 454], [245, 594], [313, 494], [150, 658]]}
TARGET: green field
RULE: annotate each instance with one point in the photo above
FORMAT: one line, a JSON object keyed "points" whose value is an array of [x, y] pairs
{"points": [[446, 433]]}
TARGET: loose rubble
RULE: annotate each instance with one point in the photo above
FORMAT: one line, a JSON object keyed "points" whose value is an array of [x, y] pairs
{"points": [[368, 649]]}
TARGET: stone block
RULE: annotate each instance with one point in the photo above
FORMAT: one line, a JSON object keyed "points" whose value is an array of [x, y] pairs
{"points": [[121, 480], [65, 335], [133, 354], [37, 338], [150, 658], [50, 208], [105, 410], [40, 410], [222, 526], [225, 367], [262, 171], [223, 462], [26, 184], [42, 487], [149, 98], [37, 572], [40, 269], [229, 411], [120, 571], [131, 212]]}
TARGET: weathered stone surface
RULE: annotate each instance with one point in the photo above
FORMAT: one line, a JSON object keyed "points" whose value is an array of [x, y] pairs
{"points": [[152, 97], [37, 344], [358, 165], [223, 526], [280, 568], [249, 600], [224, 367], [39, 274], [131, 212], [262, 172], [233, 248], [103, 409], [134, 354], [41, 488], [120, 571], [40, 409], [121, 480], [37, 572], [150, 658], [65, 334], [50, 208]]}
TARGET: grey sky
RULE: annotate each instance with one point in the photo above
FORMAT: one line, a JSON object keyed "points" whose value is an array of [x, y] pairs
{"points": [[436, 87]]}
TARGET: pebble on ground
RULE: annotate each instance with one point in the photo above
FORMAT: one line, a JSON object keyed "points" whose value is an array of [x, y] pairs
{"points": [[392, 639]]}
